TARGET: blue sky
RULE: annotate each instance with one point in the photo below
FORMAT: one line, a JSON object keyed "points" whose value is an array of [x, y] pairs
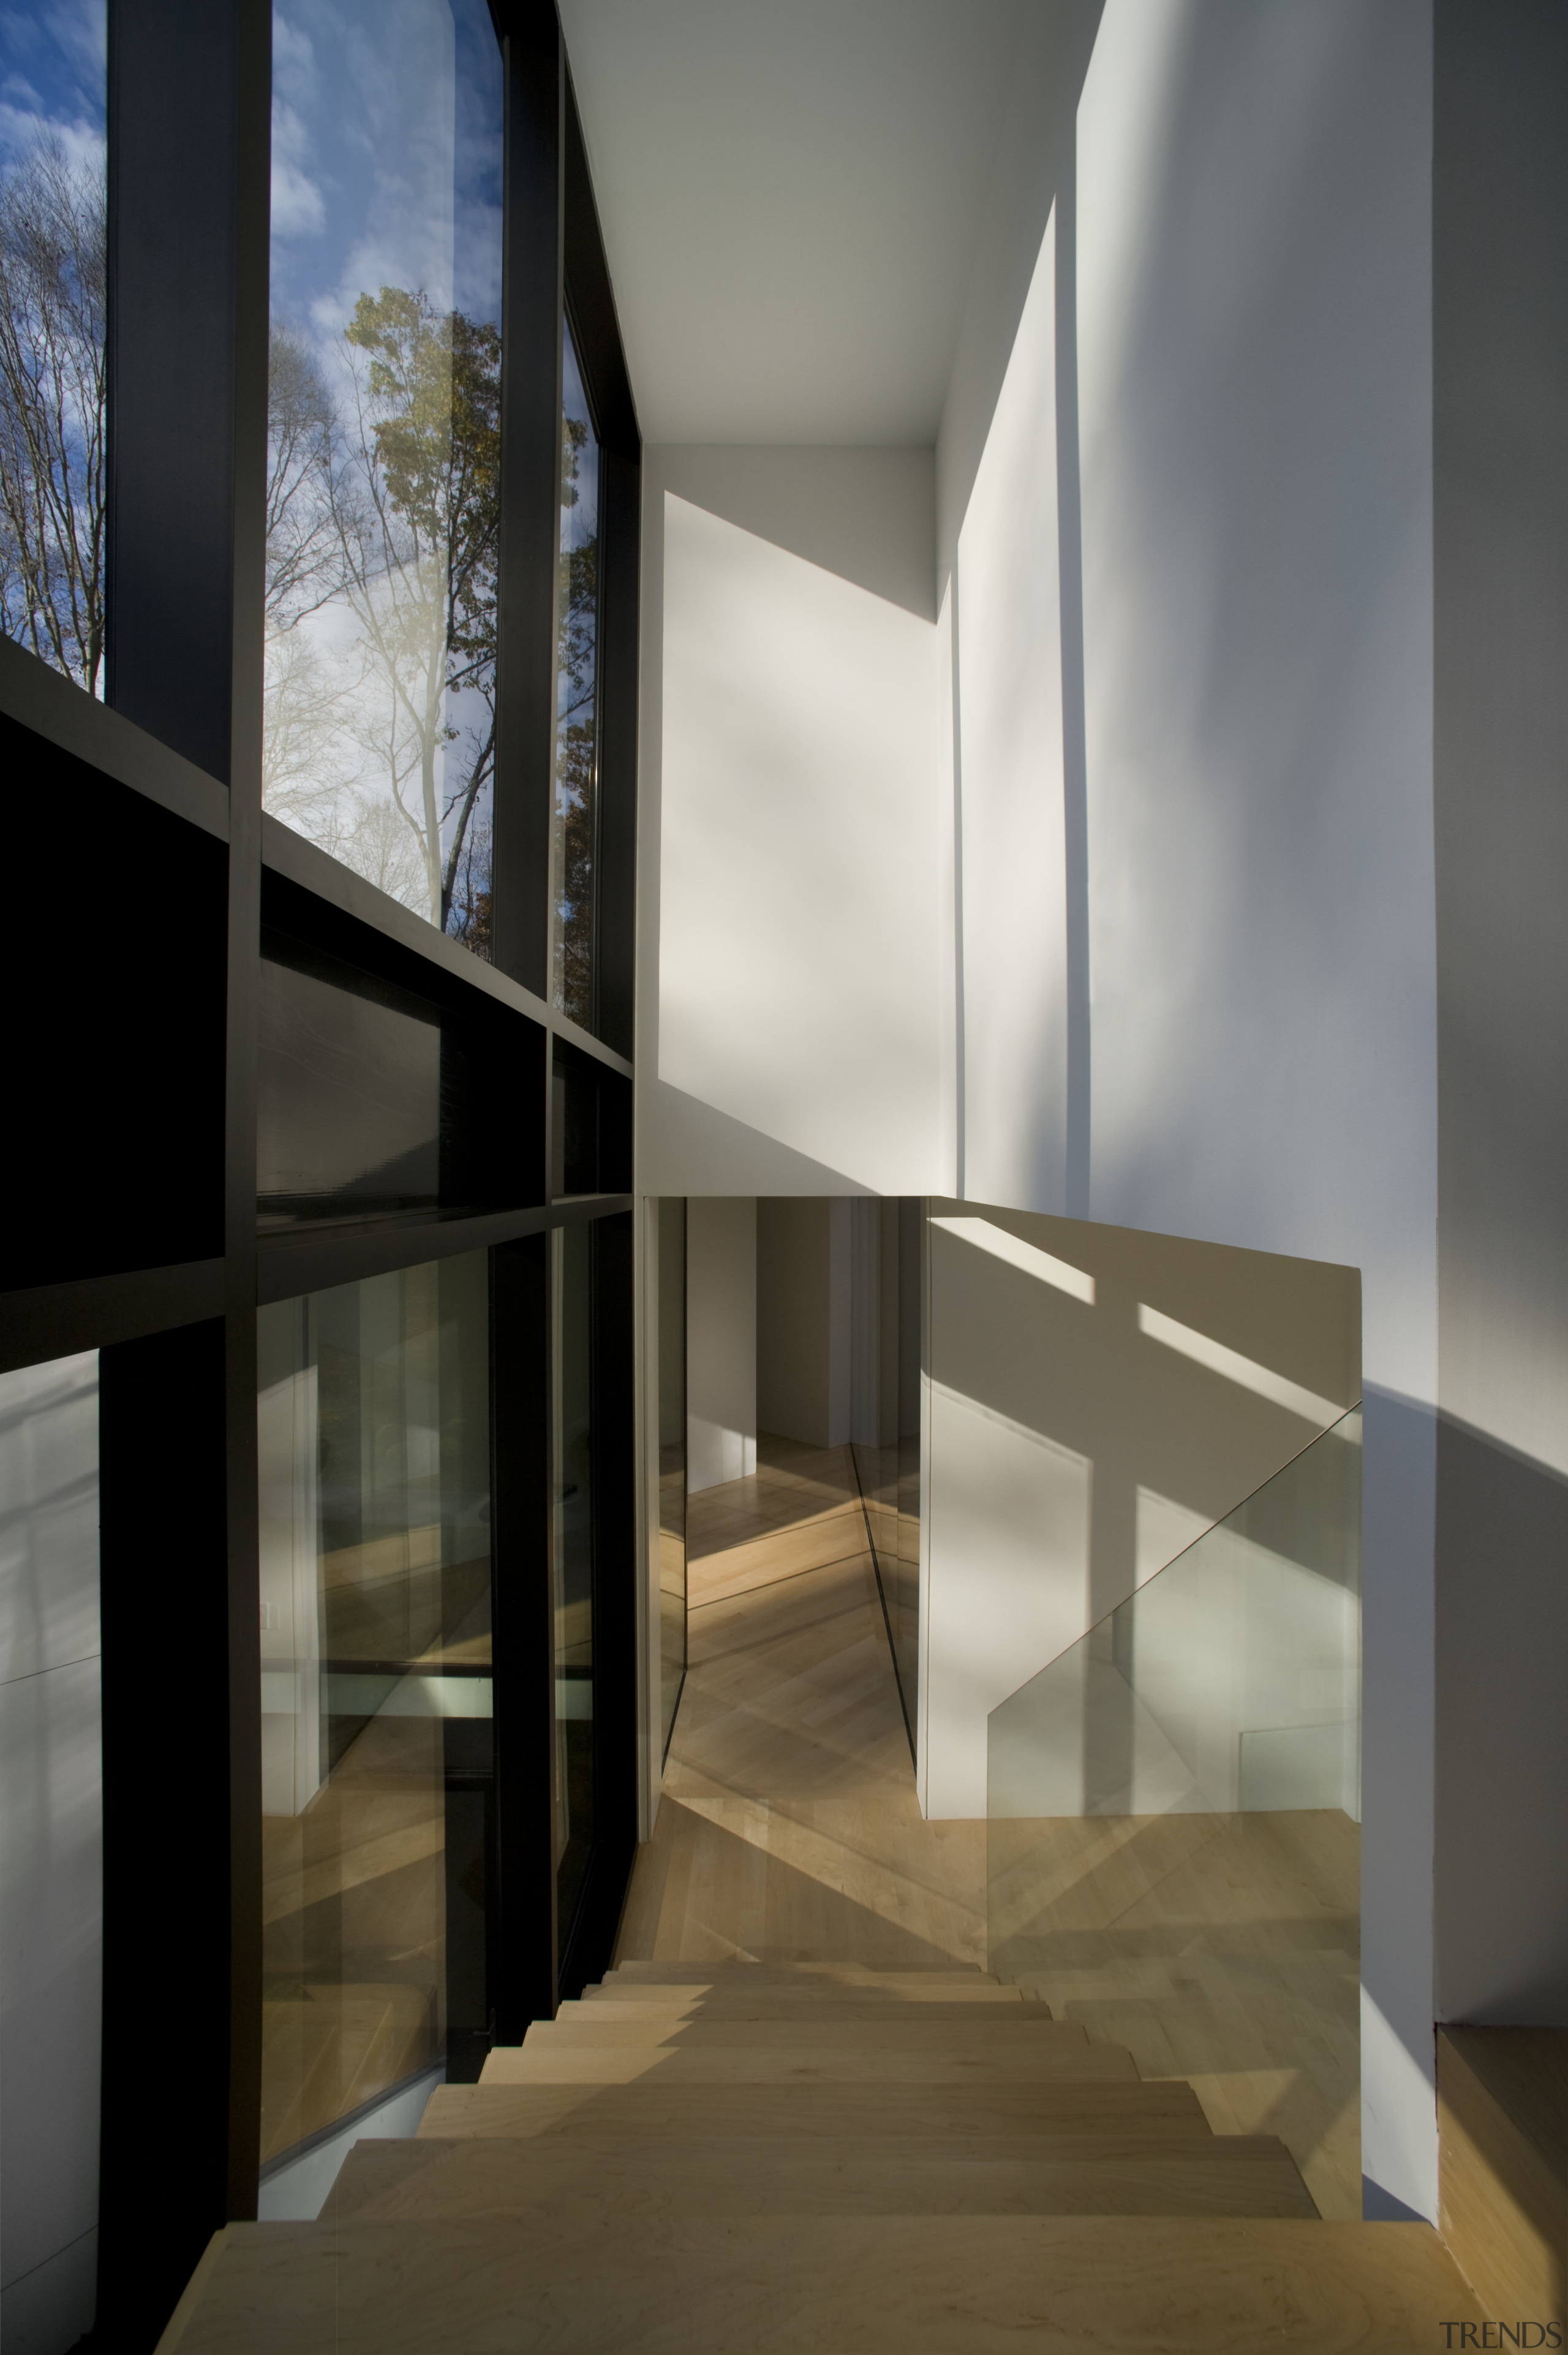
{"points": [[386, 118], [52, 73]]}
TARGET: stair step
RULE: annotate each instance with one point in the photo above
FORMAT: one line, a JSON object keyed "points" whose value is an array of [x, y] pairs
{"points": [[798, 1974], [806, 2286], [765, 2004], [1503, 2137], [573, 2061], [1231, 2175], [672, 2034], [1056, 2104], [791, 1995]]}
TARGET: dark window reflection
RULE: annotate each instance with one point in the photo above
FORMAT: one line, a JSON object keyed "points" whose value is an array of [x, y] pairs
{"points": [[591, 1126], [53, 382], [348, 1097], [571, 1418], [577, 700], [384, 476]]}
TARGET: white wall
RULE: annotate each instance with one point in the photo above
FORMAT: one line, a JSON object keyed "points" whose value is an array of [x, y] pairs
{"points": [[787, 877], [1220, 989], [721, 1340], [1076, 1443], [51, 1874], [803, 1319]]}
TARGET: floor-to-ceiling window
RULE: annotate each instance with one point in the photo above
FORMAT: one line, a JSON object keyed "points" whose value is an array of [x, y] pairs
{"points": [[374, 1433], [384, 445], [328, 1151], [671, 1214]]}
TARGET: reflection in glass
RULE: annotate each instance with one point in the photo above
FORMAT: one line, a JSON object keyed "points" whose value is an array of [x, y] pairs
{"points": [[372, 1424], [1204, 1742], [571, 1406], [672, 1216], [1230, 1682], [53, 351], [348, 1087], [384, 474], [886, 1427], [574, 851]]}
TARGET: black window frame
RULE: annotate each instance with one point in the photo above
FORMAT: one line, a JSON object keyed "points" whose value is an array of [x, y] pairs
{"points": [[177, 745]]}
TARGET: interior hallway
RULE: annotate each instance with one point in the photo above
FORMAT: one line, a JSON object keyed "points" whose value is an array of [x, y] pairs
{"points": [[789, 1824]]}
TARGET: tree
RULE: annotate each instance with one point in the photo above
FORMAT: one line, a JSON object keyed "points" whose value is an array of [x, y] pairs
{"points": [[53, 411], [308, 697], [414, 500], [576, 735]]}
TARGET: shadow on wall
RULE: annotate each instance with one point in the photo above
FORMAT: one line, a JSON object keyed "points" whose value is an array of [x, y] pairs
{"points": [[1502, 1733], [1098, 1398]]}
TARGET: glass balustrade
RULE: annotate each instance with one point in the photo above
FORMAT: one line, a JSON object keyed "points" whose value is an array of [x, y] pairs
{"points": [[1173, 1813]]}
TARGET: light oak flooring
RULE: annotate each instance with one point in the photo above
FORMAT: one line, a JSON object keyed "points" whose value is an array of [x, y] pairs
{"points": [[789, 1824], [1223, 1949], [1502, 2169]]}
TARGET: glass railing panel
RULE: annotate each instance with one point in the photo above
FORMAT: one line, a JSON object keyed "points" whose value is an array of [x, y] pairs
{"points": [[1172, 1846]]}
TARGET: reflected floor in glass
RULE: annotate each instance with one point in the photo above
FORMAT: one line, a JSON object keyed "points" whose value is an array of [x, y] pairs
{"points": [[572, 1277], [373, 1427], [788, 1823]]}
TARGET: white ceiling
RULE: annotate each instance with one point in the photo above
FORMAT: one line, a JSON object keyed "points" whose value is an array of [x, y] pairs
{"points": [[790, 192]]}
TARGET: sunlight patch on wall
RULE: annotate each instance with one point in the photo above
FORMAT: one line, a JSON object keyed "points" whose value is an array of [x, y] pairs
{"points": [[1026, 1257], [1230, 1363]]}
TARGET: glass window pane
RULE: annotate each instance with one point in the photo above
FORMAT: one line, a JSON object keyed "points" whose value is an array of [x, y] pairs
{"points": [[571, 1422], [53, 279], [372, 1421], [348, 1087], [385, 445], [51, 1727], [576, 699], [671, 1459]]}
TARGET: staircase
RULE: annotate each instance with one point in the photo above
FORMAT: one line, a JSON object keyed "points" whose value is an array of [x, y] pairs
{"points": [[817, 2157]]}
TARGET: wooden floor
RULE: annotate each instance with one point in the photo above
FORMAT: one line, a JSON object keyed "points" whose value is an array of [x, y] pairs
{"points": [[1223, 1949], [788, 1823]]}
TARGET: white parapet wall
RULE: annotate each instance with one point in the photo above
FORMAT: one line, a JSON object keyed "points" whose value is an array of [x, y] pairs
{"points": [[1097, 1398]]}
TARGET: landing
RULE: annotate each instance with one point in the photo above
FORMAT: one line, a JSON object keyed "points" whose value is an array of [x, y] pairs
{"points": [[788, 1823]]}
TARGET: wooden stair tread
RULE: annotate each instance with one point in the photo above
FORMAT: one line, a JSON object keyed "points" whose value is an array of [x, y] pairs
{"points": [[763, 2005], [794, 1974], [909, 2286], [575, 2062], [1502, 2139], [791, 1999], [685, 2032], [1525, 2071], [1158, 2109], [714, 2176]]}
